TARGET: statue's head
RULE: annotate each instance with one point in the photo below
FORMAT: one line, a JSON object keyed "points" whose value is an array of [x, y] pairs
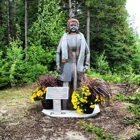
{"points": [[73, 25]]}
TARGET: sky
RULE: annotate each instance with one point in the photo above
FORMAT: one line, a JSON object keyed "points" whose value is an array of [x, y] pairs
{"points": [[133, 8]]}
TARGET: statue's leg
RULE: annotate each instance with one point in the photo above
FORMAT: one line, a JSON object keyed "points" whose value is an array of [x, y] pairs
{"points": [[72, 87], [70, 106], [75, 80], [64, 102]]}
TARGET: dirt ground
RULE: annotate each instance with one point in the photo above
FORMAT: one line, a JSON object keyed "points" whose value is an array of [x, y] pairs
{"points": [[23, 120]]}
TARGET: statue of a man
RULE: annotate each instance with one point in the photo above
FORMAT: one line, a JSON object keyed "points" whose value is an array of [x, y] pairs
{"points": [[72, 59]]}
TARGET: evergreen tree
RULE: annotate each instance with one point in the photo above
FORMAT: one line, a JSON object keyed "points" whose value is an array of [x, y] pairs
{"points": [[111, 34], [47, 31], [48, 28]]}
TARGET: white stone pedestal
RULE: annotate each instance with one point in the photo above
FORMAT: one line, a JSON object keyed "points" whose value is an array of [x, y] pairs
{"points": [[71, 113]]}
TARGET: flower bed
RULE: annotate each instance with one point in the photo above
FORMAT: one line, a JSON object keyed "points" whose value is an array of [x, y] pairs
{"points": [[92, 91]]}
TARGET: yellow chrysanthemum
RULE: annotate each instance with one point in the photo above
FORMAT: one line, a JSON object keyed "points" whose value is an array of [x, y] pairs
{"points": [[97, 98], [39, 93], [102, 98], [45, 90], [32, 99], [92, 106], [80, 111]]}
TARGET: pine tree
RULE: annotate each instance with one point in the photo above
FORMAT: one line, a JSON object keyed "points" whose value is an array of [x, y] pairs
{"points": [[48, 28], [111, 34]]}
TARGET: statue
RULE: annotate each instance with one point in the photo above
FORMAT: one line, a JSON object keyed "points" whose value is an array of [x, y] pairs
{"points": [[72, 59]]}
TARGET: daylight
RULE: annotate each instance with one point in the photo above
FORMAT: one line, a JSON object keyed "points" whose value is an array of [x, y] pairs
{"points": [[134, 11]]}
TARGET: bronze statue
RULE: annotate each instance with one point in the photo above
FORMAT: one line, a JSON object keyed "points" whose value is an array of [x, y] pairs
{"points": [[72, 59]]}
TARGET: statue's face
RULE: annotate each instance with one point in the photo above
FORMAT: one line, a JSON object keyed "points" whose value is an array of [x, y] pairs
{"points": [[73, 27]]}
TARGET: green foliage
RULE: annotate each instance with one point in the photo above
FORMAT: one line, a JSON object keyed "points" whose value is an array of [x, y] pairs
{"points": [[113, 78], [2, 42], [12, 64], [129, 78], [16, 70], [38, 61], [136, 60], [122, 78], [135, 100], [20, 65], [111, 34], [48, 28], [102, 66], [91, 73], [44, 36], [14, 58], [135, 137], [115, 46], [121, 97], [135, 109], [101, 135], [4, 71]]}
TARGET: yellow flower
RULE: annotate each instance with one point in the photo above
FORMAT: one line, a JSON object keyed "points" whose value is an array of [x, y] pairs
{"points": [[80, 99], [45, 90], [97, 98], [36, 90], [102, 98], [75, 106], [74, 100], [92, 106], [80, 111], [39, 93], [32, 99]]}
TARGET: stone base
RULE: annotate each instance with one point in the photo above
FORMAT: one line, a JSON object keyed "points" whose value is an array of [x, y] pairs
{"points": [[71, 113]]}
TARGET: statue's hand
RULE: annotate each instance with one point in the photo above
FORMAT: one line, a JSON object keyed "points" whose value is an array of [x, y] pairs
{"points": [[86, 68], [58, 69]]}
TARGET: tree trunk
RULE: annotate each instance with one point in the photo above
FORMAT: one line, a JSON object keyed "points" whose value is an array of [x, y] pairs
{"points": [[13, 18], [8, 21], [26, 23], [70, 9], [1, 14], [88, 27]]}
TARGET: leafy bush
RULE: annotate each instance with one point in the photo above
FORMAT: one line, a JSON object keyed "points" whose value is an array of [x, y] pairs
{"points": [[102, 65], [4, 72], [130, 78]]}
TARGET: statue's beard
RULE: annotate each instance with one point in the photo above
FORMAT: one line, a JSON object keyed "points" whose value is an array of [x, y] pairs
{"points": [[73, 30]]}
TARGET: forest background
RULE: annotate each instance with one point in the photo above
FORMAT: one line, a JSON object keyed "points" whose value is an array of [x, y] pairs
{"points": [[30, 31]]}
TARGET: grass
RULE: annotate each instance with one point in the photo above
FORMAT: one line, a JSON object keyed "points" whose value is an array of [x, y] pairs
{"points": [[14, 103], [16, 93]]}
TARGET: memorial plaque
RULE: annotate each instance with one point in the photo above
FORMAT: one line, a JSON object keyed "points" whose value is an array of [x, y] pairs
{"points": [[57, 93]]}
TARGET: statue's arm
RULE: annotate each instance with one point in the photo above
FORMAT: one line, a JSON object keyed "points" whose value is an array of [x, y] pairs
{"points": [[58, 57], [87, 58], [58, 53], [87, 53]]}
